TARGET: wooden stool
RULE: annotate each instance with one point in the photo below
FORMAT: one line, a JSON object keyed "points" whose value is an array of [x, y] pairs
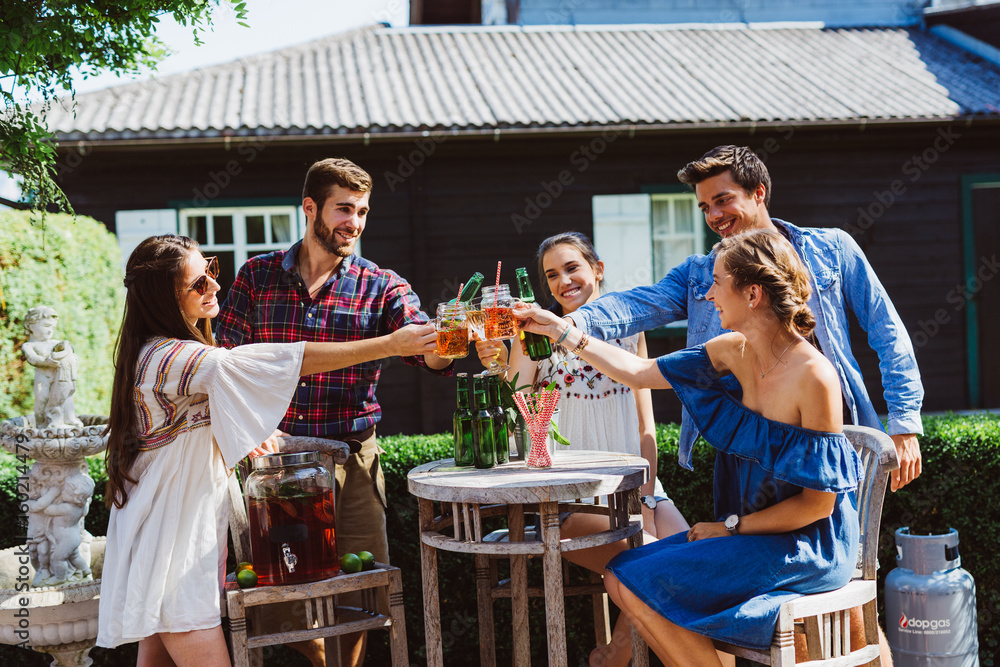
{"points": [[324, 618]]}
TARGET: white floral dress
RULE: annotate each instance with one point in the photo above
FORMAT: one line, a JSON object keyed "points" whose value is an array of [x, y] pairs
{"points": [[166, 549], [595, 413]]}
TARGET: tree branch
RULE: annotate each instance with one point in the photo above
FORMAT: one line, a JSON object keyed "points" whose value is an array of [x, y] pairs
{"points": [[19, 205]]}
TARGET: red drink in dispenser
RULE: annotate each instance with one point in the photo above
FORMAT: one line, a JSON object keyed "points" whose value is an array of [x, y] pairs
{"points": [[292, 519]]}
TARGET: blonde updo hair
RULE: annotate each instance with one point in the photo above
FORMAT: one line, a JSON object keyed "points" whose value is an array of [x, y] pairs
{"points": [[764, 257]]}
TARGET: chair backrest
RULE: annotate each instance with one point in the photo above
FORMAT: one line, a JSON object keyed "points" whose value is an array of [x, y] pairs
{"points": [[878, 458], [239, 526]]}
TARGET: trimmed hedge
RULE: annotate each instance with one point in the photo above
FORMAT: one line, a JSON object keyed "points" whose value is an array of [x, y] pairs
{"points": [[73, 264], [961, 478]]}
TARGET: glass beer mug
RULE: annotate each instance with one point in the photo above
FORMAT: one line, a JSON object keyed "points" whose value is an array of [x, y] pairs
{"points": [[452, 331], [292, 521]]}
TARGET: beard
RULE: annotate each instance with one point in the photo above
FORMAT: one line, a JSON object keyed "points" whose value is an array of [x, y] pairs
{"points": [[327, 239]]}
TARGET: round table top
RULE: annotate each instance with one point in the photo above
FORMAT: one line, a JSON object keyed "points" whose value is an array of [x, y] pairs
{"points": [[574, 474]]}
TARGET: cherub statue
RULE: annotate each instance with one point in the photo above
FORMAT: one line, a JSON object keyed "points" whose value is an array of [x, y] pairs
{"points": [[58, 531], [38, 527], [55, 370]]}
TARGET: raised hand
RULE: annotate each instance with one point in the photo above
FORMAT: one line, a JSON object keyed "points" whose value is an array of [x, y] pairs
{"points": [[414, 340], [533, 318], [491, 350]]}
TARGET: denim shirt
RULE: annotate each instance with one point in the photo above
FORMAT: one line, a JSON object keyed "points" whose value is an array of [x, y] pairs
{"points": [[842, 279]]}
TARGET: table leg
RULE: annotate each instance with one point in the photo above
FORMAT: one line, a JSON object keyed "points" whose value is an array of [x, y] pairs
{"points": [[519, 588], [484, 598], [555, 604], [432, 604], [640, 652]]}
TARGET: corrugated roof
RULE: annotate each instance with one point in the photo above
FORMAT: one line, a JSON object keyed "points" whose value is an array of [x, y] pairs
{"points": [[485, 78]]}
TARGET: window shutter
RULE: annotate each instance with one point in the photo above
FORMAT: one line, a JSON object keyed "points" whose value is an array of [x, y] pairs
{"points": [[133, 227], [623, 239]]}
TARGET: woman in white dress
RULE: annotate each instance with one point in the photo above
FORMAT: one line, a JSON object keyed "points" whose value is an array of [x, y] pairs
{"points": [[595, 412], [183, 414]]}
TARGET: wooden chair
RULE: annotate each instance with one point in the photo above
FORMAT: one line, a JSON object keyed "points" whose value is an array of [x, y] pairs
{"points": [[324, 618], [824, 618]]}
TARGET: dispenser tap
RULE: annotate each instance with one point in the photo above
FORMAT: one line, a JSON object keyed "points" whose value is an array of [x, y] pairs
{"points": [[289, 558]]}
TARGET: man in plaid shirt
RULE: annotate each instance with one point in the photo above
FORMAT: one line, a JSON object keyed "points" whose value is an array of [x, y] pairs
{"points": [[318, 290]]}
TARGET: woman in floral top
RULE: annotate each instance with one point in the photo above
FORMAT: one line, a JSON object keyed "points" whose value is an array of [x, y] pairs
{"points": [[595, 412]]}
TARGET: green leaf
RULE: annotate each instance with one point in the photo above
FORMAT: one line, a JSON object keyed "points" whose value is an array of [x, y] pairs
{"points": [[557, 436]]}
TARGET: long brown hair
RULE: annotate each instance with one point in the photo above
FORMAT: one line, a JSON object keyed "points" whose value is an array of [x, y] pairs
{"points": [[764, 257], [152, 277]]}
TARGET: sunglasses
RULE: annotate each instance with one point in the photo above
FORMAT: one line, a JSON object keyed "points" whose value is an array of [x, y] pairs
{"points": [[200, 285]]}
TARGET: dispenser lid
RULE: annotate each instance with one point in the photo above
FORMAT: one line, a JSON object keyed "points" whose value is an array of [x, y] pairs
{"points": [[281, 460]]}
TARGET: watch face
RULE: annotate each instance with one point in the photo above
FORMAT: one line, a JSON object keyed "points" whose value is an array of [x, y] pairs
{"points": [[650, 502], [732, 521]]}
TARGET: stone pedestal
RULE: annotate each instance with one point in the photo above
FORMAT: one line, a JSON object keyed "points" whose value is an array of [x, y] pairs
{"points": [[58, 620]]}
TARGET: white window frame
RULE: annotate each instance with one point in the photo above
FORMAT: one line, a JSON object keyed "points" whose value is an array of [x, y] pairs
{"points": [[696, 236], [624, 238], [240, 248]]}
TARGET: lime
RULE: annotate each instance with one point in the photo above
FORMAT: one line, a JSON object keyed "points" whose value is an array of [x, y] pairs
{"points": [[367, 560], [350, 563], [244, 566], [246, 578]]}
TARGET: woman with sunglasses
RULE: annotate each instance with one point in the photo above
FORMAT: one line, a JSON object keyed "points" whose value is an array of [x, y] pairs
{"points": [[183, 413]]}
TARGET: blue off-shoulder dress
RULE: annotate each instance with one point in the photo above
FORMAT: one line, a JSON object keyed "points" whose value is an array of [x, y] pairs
{"points": [[730, 588]]}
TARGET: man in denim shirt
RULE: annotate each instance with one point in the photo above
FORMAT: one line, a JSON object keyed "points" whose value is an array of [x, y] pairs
{"points": [[734, 190]]}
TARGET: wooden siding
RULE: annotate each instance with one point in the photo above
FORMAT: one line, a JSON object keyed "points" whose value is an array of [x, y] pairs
{"points": [[455, 213]]}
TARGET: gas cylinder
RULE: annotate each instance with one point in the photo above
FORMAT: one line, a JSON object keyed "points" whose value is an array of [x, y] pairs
{"points": [[930, 603]]}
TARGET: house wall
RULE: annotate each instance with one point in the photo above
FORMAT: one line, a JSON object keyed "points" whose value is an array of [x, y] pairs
{"points": [[442, 209], [832, 12]]}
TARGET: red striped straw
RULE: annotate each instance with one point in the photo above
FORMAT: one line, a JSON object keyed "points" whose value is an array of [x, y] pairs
{"points": [[454, 312], [496, 290]]}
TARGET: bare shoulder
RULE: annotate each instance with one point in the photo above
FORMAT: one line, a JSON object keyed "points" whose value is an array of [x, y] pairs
{"points": [[728, 352], [819, 394], [819, 369]]}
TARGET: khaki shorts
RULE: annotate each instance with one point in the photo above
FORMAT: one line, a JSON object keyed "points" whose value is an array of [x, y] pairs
{"points": [[361, 503]]}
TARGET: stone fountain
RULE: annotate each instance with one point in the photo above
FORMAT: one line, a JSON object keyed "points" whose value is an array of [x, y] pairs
{"points": [[49, 586]]}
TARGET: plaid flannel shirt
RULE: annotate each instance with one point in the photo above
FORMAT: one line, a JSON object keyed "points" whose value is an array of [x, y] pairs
{"points": [[269, 303]]}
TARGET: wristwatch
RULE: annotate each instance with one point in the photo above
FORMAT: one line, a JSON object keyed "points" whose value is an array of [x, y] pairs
{"points": [[733, 523], [649, 501]]}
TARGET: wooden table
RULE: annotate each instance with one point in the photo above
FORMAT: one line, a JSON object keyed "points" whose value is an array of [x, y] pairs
{"points": [[467, 495]]}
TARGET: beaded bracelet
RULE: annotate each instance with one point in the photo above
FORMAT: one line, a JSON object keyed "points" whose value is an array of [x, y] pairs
{"points": [[565, 333], [584, 339]]}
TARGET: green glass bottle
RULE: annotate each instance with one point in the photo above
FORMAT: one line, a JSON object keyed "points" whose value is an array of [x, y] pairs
{"points": [[535, 346], [483, 441], [462, 422], [499, 419], [471, 288]]}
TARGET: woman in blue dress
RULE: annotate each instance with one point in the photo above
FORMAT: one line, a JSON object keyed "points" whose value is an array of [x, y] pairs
{"points": [[785, 475]]}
